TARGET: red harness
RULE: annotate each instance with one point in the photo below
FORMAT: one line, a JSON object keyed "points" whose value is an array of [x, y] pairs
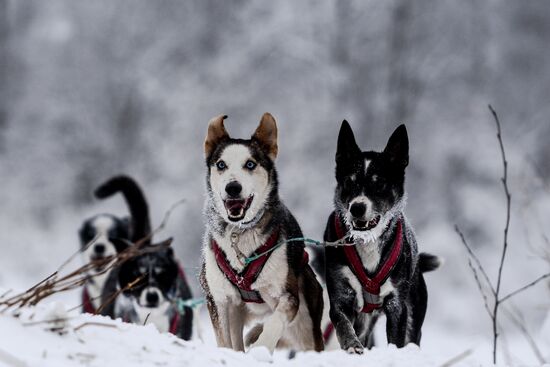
{"points": [[87, 304], [174, 323], [243, 281], [371, 285]]}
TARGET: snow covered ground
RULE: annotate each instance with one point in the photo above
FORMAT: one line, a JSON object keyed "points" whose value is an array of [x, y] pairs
{"points": [[86, 340]]}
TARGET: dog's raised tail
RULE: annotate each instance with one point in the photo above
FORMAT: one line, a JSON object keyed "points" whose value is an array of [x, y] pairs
{"points": [[428, 262], [139, 210]]}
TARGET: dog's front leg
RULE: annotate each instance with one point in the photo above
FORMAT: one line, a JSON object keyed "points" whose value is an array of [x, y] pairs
{"points": [[285, 311], [396, 323], [236, 315], [219, 316], [344, 328]]}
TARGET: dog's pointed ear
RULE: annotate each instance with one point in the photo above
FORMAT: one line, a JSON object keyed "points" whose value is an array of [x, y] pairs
{"points": [[166, 243], [397, 149], [215, 135], [121, 244], [347, 148], [266, 135]]}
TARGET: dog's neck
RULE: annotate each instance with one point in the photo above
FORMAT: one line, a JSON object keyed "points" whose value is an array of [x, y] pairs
{"points": [[373, 244], [236, 240], [94, 286]]}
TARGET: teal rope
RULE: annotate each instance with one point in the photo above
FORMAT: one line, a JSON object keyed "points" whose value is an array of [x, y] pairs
{"points": [[191, 303], [250, 259]]}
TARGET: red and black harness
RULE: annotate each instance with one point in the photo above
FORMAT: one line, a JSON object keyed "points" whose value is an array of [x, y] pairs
{"points": [[243, 280], [371, 285]]}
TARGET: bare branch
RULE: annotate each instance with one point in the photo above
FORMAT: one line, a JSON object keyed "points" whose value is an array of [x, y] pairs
{"points": [[476, 259], [520, 324], [55, 283], [457, 358], [506, 228], [519, 290], [485, 300]]}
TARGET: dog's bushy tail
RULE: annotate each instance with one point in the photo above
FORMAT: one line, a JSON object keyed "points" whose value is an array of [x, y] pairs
{"points": [[139, 210], [428, 262]]}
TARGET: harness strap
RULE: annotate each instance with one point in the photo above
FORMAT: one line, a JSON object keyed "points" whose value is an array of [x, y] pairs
{"points": [[87, 304], [371, 286], [174, 322], [244, 280]]}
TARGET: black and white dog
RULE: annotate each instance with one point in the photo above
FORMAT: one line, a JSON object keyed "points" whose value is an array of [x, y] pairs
{"points": [[246, 275], [97, 236], [162, 284], [381, 270]]}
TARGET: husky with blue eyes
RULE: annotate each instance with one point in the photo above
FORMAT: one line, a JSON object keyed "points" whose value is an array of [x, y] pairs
{"points": [[380, 271], [248, 277]]}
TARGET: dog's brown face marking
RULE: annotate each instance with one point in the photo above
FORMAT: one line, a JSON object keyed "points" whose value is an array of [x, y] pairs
{"points": [[266, 135]]}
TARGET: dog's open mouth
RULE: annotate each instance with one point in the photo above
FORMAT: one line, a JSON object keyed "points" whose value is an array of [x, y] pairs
{"points": [[99, 262], [236, 208], [363, 225]]}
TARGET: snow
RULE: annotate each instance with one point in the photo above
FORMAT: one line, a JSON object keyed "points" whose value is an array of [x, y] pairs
{"points": [[88, 340]]}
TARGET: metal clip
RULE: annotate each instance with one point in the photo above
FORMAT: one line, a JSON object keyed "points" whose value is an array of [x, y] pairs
{"points": [[234, 239]]}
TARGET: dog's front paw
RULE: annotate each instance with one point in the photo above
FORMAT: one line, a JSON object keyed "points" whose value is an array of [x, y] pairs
{"points": [[354, 347], [355, 350]]}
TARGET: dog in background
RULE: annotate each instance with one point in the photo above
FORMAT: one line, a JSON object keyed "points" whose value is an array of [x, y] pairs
{"points": [[245, 217], [96, 243], [154, 299], [381, 273]]}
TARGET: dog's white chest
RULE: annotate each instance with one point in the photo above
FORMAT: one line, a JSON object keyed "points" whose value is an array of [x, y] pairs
{"points": [[157, 316], [369, 255]]}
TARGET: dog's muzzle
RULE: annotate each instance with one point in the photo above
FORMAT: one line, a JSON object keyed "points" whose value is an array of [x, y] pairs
{"points": [[364, 225], [236, 208]]}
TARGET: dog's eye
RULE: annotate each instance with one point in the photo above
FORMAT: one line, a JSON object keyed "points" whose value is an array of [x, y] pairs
{"points": [[221, 165], [250, 165], [158, 269]]}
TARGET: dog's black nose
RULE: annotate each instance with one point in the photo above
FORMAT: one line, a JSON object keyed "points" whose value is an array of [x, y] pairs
{"points": [[152, 298], [233, 189], [358, 210], [99, 248]]}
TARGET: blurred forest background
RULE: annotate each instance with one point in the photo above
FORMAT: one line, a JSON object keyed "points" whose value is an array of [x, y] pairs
{"points": [[89, 89]]}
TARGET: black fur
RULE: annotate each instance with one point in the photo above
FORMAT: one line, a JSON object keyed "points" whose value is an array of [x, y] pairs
{"points": [[383, 184], [139, 210]]}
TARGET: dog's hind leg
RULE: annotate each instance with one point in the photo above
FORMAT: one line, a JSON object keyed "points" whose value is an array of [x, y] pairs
{"points": [[419, 304], [397, 320]]}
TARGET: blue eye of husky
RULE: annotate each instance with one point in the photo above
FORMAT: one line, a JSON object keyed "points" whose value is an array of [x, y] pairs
{"points": [[250, 165], [221, 165]]}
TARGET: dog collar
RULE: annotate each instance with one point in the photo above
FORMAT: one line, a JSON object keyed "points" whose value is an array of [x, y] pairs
{"points": [[371, 285]]}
